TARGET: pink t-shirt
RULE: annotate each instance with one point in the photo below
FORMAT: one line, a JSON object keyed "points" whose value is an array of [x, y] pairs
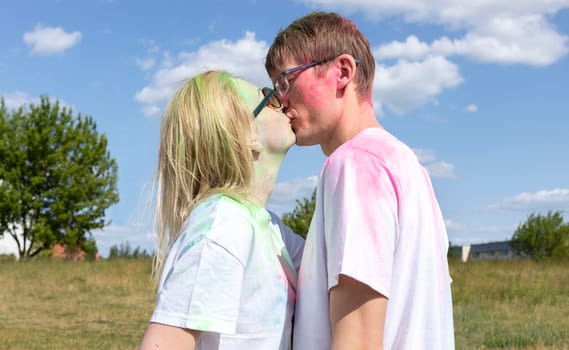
{"points": [[377, 220]]}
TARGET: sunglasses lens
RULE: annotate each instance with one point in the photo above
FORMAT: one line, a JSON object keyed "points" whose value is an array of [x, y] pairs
{"points": [[282, 85], [274, 100]]}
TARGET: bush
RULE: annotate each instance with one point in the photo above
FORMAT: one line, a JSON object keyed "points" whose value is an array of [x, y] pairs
{"points": [[542, 236], [124, 250], [8, 258]]}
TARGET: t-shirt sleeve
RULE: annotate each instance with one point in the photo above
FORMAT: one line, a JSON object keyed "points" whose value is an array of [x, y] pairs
{"points": [[360, 203], [294, 243], [202, 288]]}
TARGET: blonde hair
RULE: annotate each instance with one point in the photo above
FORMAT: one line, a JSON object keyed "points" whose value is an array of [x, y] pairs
{"points": [[319, 36], [205, 139]]}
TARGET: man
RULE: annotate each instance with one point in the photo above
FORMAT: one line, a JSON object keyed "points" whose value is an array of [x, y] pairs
{"points": [[374, 273]]}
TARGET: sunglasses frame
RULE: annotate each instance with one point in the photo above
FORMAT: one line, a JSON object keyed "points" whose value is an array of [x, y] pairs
{"points": [[268, 92], [282, 75]]}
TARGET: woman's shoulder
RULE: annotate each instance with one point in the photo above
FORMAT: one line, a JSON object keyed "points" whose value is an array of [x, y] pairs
{"points": [[218, 205], [223, 221]]}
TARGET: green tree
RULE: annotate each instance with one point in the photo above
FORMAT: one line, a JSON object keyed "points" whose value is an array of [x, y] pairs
{"points": [[454, 251], [299, 219], [124, 250], [56, 177], [542, 236]]}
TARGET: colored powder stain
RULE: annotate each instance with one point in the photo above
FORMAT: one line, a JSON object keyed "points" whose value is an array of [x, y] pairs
{"points": [[249, 95], [190, 244], [203, 324], [314, 96]]}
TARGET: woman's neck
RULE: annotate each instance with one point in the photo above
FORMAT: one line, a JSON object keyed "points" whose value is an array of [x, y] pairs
{"points": [[266, 169]]}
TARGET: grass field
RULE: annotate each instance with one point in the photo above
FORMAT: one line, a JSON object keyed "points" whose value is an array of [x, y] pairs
{"points": [[65, 305], [511, 305], [107, 304]]}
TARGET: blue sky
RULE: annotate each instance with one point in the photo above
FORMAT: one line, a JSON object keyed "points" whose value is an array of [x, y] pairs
{"points": [[477, 88]]}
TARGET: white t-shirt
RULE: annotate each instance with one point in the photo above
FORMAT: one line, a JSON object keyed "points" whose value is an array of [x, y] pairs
{"points": [[377, 220], [294, 243], [230, 276]]}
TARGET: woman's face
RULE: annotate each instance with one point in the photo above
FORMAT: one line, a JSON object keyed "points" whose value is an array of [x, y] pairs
{"points": [[272, 127]]}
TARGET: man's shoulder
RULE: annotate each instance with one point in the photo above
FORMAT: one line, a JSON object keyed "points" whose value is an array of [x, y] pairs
{"points": [[368, 145], [375, 143]]}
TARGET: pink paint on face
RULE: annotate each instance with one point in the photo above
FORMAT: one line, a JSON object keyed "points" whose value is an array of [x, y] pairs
{"points": [[314, 96], [311, 100], [314, 91]]}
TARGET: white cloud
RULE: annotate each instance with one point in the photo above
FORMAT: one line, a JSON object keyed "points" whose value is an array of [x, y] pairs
{"points": [[449, 12], [435, 168], [441, 169], [472, 108], [527, 39], [145, 64], [507, 31], [408, 85], [243, 58], [17, 99], [411, 49], [50, 40], [425, 155], [166, 61], [152, 50], [555, 199], [151, 110], [284, 196], [453, 226]]}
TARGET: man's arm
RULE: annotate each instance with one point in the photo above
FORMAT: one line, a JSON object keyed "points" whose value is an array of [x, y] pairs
{"points": [[357, 315], [161, 336]]}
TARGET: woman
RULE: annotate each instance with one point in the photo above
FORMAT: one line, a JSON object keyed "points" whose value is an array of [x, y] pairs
{"points": [[227, 280]]}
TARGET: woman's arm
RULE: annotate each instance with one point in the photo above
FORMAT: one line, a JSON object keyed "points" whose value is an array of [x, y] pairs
{"points": [[161, 336]]}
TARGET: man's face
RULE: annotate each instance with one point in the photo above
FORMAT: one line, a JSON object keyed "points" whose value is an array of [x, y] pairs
{"points": [[310, 102]]}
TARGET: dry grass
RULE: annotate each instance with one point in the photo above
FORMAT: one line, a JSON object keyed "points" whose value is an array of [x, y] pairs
{"points": [[106, 305], [60, 305]]}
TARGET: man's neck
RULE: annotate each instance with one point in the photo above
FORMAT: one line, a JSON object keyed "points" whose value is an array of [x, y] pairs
{"points": [[355, 117]]}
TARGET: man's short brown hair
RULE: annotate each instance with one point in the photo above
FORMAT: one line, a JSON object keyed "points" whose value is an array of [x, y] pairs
{"points": [[320, 36]]}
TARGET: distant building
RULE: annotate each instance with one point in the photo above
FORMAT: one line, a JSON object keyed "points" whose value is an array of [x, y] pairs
{"points": [[61, 251], [488, 251]]}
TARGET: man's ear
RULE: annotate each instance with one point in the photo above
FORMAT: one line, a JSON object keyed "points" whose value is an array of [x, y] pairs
{"points": [[347, 66]]}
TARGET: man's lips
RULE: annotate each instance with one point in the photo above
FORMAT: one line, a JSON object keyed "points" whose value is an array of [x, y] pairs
{"points": [[290, 119]]}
